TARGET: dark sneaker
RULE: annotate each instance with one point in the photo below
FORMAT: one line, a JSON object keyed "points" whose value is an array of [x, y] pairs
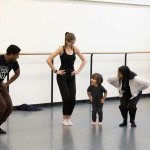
{"points": [[133, 124], [123, 124], [2, 131]]}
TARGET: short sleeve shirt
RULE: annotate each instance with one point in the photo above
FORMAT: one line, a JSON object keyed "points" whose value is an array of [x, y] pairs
{"points": [[6, 67], [96, 92]]}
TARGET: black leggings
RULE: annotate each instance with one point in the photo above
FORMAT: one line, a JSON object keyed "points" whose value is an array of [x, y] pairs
{"points": [[67, 87], [127, 103], [97, 107]]}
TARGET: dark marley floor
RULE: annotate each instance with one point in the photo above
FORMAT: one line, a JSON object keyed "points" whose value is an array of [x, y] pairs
{"points": [[42, 130]]}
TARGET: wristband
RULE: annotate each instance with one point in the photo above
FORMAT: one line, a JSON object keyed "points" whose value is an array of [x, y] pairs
{"points": [[55, 71]]}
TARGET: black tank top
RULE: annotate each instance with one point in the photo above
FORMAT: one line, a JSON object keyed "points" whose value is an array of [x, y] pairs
{"points": [[67, 61]]}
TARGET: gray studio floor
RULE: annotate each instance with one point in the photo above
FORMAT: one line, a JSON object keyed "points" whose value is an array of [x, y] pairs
{"points": [[42, 130]]}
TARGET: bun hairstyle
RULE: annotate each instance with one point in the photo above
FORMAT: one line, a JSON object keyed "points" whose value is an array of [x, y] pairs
{"points": [[127, 73], [66, 33], [69, 37], [98, 77]]}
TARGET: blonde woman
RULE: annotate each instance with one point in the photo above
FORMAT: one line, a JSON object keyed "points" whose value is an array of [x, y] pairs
{"points": [[66, 74]]}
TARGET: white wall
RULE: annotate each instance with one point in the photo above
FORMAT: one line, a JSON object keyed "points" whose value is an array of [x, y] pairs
{"points": [[39, 26]]}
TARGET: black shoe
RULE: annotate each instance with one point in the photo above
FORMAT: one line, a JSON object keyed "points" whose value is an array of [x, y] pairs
{"points": [[133, 124], [123, 124], [2, 131]]}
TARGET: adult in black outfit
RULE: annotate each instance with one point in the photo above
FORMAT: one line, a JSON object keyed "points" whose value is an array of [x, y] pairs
{"points": [[66, 74]]}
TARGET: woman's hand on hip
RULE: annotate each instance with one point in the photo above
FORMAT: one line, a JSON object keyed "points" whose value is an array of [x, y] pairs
{"points": [[74, 73], [61, 72]]}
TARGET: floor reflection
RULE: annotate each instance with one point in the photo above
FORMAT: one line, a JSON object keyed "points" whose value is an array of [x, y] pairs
{"points": [[127, 140], [67, 139], [96, 138]]}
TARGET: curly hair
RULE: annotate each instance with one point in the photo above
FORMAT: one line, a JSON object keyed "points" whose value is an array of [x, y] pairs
{"points": [[98, 77]]}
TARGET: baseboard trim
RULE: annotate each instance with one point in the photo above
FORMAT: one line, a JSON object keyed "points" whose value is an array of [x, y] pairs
{"points": [[78, 102]]}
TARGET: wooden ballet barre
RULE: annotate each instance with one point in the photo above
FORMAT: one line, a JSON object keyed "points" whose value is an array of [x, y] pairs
{"points": [[125, 52]]}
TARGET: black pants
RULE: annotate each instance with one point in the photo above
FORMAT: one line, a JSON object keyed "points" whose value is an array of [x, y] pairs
{"points": [[5, 104], [67, 87], [129, 105], [125, 102], [97, 107]]}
